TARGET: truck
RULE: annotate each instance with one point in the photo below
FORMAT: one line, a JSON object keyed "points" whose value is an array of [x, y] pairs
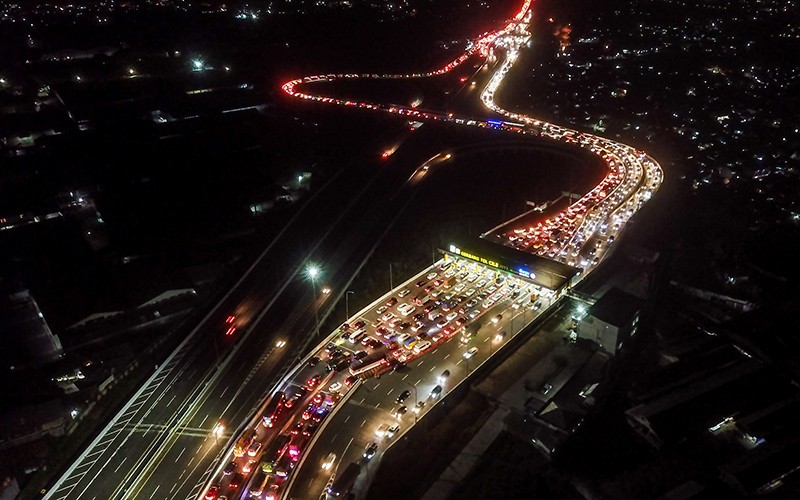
{"points": [[344, 483]]}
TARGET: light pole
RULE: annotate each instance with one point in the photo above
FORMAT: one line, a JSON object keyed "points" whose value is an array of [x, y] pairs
{"points": [[313, 271], [391, 282], [347, 304], [416, 401]]}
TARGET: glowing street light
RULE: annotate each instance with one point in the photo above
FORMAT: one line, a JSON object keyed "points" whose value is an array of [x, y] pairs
{"points": [[197, 64], [313, 272], [218, 430]]}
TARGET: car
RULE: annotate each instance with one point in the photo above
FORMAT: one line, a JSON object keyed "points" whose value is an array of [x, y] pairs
{"points": [[312, 361], [370, 451], [229, 469], [254, 449], [444, 376], [429, 288], [500, 336], [460, 287], [461, 321], [318, 398], [308, 412], [400, 411], [350, 380], [313, 381], [472, 303], [373, 343], [497, 319], [403, 293], [212, 492], [442, 322], [481, 283], [248, 466], [471, 352], [474, 313], [470, 292], [236, 480], [309, 429], [452, 316], [360, 355], [391, 302], [418, 408], [404, 325], [388, 316], [403, 396], [537, 305], [437, 283], [319, 415], [421, 346], [366, 340], [393, 430], [298, 427], [431, 275], [420, 283], [488, 303], [381, 431], [437, 391], [358, 325], [327, 464], [381, 310]]}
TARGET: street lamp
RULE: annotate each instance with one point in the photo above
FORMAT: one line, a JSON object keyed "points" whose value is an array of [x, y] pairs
{"points": [[218, 431], [347, 304], [416, 401], [313, 272]]}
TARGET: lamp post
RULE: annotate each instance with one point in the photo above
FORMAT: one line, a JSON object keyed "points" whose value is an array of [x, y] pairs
{"points": [[313, 272], [391, 282], [347, 304], [416, 401], [218, 431]]}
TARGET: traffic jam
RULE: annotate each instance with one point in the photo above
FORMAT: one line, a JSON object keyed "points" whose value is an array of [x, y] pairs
{"points": [[436, 308]]}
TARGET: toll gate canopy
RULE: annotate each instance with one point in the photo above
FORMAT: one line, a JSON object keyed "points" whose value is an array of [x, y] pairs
{"points": [[538, 270]]}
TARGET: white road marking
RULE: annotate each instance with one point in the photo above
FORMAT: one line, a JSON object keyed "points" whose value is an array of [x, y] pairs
{"points": [[181, 453], [362, 423], [348, 418], [376, 386], [404, 376], [224, 391], [120, 464], [154, 491], [204, 421], [333, 438], [448, 355]]}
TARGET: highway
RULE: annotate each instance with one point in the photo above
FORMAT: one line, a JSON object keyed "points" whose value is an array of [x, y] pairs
{"points": [[580, 235], [167, 441]]}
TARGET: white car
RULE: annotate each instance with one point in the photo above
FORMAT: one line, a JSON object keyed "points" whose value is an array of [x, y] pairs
{"points": [[453, 315], [460, 287], [327, 464], [432, 275], [335, 386], [471, 352], [421, 346], [380, 310], [470, 292], [403, 293]]}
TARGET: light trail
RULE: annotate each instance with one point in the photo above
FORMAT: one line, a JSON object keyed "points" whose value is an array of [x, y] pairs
{"points": [[631, 179]]}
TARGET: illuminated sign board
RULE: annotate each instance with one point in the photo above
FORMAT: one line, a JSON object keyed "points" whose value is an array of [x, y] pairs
{"points": [[491, 263]]}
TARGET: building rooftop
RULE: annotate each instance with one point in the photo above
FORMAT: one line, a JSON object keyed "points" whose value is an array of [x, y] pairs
{"points": [[616, 307]]}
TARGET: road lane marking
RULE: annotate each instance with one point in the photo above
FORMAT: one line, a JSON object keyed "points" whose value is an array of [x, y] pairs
{"points": [[204, 421], [459, 362], [390, 391], [333, 438], [404, 376], [418, 381], [448, 355], [120, 464], [377, 405], [362, 423], [224, 391], [181, 453], [154, 491], [420, 362], [432, 368], [376, 386], [348, 418]]}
